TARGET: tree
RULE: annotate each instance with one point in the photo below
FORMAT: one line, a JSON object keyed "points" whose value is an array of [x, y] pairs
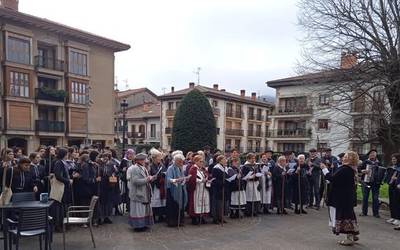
{"points": [[194, 124], [367, 35]]}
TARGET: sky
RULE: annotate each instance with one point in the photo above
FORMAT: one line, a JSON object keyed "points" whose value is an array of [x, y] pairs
{"points": [[238, 44]]}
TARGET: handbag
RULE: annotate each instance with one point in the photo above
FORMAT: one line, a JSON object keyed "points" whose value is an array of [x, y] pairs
{"points": [[57, 189], [6, 194]]}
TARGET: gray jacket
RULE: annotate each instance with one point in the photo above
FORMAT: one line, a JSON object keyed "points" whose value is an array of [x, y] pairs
{"points": [[139, 188]]}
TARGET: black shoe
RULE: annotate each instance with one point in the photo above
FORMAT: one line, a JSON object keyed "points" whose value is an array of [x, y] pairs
{"points": [[203, 221], [397, 228], [284, 211], [362, 215], [195, 221], [99, 222], [317, 208], [377, 216], [297, 211], [107, 221], [303, 211]]}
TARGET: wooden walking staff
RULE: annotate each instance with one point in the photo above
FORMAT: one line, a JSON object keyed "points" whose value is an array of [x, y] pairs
{"points": [[322, 177], [223, 197], [299, 185], [240, 181], [202, 197], [283, 192], [254, 193]]}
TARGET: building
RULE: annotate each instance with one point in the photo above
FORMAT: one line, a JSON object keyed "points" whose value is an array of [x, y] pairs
{"points": [[142, 115], [56, 80], [307, 115], [242, 121]]}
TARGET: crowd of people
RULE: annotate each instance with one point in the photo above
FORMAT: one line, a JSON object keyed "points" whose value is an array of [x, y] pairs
{"points": [[166, 187]]}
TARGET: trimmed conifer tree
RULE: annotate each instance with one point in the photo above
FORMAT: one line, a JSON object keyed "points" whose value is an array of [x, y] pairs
{"points": [[194, 124]]}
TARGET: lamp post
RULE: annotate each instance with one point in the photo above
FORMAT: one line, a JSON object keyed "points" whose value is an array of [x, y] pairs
{"points": [[124, 105]]}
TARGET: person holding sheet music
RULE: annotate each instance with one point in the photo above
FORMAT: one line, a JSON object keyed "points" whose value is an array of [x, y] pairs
{"points": [[279, 176], [219, 187], [299, 181], [176, 191], [237, 189], [252, 174], [159, 195], [198, 194], [314, 179], [265, 183]]}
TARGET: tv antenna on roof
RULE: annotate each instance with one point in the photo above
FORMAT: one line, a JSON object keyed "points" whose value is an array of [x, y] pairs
{"points": [[197, 72]]}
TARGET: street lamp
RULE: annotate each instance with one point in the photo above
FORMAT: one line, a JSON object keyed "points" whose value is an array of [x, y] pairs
{"points": [[124, 105]]}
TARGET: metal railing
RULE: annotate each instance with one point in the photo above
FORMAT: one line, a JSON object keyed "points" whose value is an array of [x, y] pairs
{"points": [[289, 133], [293, 110], [51, 95], [136, 135], [234, 132], [50, 126], [49, 63]]}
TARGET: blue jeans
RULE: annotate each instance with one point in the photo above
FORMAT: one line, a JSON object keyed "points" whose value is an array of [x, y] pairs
{"points": [[375, 198]]}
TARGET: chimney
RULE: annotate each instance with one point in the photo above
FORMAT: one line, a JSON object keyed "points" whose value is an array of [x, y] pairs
{"points": [[223, 90], [215, 86], [172, 89], [254, 96], [242, 93], [191, 85], [348, 60], [9, 4]]}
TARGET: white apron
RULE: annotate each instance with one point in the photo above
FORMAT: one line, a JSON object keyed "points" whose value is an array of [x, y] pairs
{"points": [[201, 195]]}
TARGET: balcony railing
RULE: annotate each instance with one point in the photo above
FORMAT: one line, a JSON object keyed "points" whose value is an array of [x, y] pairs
{"points": [[255, 133], [168, 131], [237, 114], [171, 112], [136, 135], [290, 133], [293, 110], [50, 126], [48, 94], [234, 132], [49, 63]]}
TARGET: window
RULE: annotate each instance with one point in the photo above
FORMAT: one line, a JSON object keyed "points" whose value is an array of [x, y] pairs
{"points": [[18, 50], [78, 93], [47, 83], [133, 128], [324, 99], [19, 84], [153, 130], [47, 113], [170, 106], [78, 63], [378, 100], [323, 124], [169, 140], [229, 109], [215, 103]]}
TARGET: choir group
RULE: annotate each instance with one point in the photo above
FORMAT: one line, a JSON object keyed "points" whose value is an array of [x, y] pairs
{"points": [[164, 187]]}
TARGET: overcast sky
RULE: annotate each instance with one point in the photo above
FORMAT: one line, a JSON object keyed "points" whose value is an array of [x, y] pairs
{"points": [[239, 44]]}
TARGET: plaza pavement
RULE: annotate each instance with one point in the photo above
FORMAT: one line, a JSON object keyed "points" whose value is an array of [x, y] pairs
{"points": [[264, 232]]}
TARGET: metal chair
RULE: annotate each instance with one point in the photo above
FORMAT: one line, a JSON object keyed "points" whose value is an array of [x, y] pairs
{"points": [[31, 222], [21, 197], [89, 210]]}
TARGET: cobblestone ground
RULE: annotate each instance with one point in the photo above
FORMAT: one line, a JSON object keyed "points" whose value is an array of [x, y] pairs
{"points": [[264, 232]]}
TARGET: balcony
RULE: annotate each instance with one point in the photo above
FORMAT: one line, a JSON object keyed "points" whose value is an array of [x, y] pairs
{"points": [[168, 131], [293, 110], [136, 135], [290, 133], [254, 133], [49, 94], [234, 132], [50, 126], [171, 112], [49, 63], [237, 114]]}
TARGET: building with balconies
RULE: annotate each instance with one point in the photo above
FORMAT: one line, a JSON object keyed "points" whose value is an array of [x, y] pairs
{"points": [[307, 115], [242, 121], [142, 116], [56, 82]]}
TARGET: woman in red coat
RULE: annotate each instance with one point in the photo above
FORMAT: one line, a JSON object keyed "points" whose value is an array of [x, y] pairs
{"points": [[199, 198]]}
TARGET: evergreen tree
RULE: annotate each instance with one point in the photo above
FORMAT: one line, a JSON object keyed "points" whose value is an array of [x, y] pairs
{"points": [[194, 124]]}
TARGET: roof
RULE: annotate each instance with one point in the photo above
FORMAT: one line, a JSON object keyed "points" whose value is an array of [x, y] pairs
{"points": [[153, 111], [328, 76], [211, 92], [61, 29], [125, 93]]}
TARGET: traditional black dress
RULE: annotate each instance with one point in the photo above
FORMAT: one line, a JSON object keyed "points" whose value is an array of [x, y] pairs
{"points": [[343, 198], [280, 184], [299, 181]]}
